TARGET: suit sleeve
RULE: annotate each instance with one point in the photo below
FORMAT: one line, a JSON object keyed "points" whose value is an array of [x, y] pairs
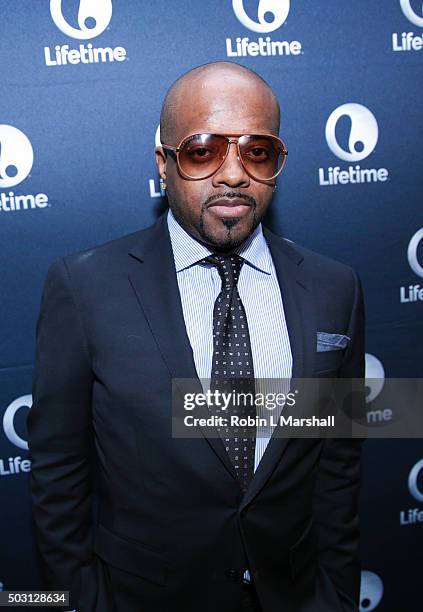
{"points": [[60, 436], [336, 501]]}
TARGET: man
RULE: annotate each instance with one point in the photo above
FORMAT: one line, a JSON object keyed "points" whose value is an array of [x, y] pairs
{"points": [[183, 524]]}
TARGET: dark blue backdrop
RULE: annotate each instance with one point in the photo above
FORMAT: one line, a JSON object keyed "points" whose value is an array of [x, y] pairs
{"points": [[81, 88]]}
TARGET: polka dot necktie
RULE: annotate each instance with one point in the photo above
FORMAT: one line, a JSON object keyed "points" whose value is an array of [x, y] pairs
{"points": [[232, 366]]}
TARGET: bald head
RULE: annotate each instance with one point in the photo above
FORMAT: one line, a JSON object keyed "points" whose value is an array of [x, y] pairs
{"points": [[214, 80]]}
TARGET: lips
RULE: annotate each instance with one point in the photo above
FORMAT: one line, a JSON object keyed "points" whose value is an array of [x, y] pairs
{"points": [[229, 207]]}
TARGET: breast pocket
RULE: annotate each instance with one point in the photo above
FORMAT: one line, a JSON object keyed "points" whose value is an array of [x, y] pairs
{"points": [[330, 350]]}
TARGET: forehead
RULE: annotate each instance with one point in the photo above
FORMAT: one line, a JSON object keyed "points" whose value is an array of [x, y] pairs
{"points": [[224, 104]]}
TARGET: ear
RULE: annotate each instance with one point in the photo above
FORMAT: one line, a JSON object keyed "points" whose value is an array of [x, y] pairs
{"points": [[161, 161]]}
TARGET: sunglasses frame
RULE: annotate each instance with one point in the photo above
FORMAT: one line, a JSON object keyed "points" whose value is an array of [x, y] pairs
{"points": [[231, 139]]}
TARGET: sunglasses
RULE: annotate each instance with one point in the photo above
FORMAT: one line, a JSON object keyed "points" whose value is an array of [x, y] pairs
{"points": [[199, 156]]}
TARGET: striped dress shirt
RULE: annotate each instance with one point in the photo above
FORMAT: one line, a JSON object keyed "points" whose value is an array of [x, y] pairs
{"points": [[258, 287]]}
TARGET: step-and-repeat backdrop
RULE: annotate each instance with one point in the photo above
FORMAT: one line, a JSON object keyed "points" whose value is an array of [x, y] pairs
{"points": [[82, 83]]}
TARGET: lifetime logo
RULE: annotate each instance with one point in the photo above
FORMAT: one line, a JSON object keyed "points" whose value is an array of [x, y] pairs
{"points": [[413, 293], [93, 17], [361, 142], [15, 465], [375, 377], [414, 515], [375, 380], [271, 15], [16, 159], [371, 591], [408, 41]]}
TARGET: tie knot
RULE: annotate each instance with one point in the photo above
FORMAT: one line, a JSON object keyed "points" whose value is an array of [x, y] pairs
{"points": [[228, 266]]}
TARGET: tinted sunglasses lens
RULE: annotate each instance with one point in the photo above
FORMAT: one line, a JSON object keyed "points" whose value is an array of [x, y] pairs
{"points": [[262, 156], [201, 155]]}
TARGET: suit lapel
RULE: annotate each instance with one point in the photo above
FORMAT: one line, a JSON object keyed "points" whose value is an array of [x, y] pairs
{"points": [[154, 281], [296, 289], [295, 286]]}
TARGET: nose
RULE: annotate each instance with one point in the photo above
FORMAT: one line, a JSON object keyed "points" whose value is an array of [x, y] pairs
{"points": [[231, 173]]}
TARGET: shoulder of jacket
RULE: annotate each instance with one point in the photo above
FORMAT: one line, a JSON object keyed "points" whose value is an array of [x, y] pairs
{"points": [[316, 263], [105, 253]]}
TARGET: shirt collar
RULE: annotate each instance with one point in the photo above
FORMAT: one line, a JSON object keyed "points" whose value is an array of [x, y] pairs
{"points": [[187, 251]]}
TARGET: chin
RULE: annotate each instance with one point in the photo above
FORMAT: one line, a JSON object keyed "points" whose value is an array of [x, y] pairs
{"points": [[229, 235]]}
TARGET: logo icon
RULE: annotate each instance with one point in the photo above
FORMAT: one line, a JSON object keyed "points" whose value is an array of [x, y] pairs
{"points": [[9, 420], [16, 156], [412, 253], [93, 18], [271, 14], [413, 478], [410, 14], [363, 135], [371, 591], [375, 376]]}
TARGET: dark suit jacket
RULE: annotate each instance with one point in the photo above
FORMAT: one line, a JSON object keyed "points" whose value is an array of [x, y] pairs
{"points": [[129, 518]]}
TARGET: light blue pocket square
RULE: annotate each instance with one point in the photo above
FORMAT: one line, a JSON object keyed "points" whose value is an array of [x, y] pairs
{"points": [[331, 342]]}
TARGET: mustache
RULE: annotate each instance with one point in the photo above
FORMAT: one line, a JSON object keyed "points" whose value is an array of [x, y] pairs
{"points": [[229, 194]]}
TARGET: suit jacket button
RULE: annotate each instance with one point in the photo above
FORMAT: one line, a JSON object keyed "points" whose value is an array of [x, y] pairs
{"points": [[233, 574]]}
